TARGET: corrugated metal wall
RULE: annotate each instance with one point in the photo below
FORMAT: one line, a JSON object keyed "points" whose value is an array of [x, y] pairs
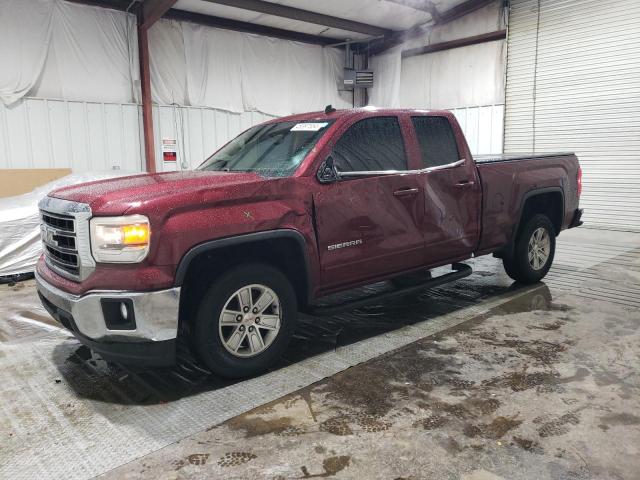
{"points": [[483, 127], [85, 136], [38, 133], [573, 84], [198, 132]]}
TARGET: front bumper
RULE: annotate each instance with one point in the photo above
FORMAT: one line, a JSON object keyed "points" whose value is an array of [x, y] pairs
{"points": [[149, 340]]}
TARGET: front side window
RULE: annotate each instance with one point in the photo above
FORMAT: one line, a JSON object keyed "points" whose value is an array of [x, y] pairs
{"points": [[437, 141], [272, 150], [369, 145]]}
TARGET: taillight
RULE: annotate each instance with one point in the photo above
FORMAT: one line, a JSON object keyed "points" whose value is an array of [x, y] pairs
{"points": [[579, 182]]}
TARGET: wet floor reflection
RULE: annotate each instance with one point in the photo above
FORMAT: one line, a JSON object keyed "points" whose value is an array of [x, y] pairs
{"points": [[93, 378]]}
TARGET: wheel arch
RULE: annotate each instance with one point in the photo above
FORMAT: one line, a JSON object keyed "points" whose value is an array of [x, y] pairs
{"points": [[285, 249], [549, 201]]}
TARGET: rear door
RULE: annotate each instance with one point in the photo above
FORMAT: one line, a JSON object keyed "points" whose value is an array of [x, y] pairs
{"points": [[369, 226], [452, 190]]}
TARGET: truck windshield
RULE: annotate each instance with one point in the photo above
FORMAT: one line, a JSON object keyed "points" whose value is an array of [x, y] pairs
{"points": [[273, 150]]}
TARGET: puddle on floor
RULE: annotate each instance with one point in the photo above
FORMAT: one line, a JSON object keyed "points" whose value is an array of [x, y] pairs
{"points": [[91, 377]]}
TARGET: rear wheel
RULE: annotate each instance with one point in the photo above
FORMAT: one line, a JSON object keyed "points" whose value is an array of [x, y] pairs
{"points": [[245, 320], [534, 251]]}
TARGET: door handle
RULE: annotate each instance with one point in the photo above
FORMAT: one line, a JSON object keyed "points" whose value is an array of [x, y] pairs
{"points": [[465, 184], [405, 192]]}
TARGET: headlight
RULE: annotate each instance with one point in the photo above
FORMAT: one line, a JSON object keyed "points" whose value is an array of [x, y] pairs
{"points": [[120, 239]]}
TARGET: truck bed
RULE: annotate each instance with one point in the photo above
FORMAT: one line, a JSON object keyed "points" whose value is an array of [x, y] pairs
{"points": [[507, 181], [512, 157]]}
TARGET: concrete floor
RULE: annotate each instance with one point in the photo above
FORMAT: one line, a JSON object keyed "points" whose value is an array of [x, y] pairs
{"points": [[480, 379]]}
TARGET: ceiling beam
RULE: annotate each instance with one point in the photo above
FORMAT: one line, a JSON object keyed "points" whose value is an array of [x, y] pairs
{"points": [[307, 16], [153, 10], [463, 9], [458, 43], [445, 17], [238, 26]]}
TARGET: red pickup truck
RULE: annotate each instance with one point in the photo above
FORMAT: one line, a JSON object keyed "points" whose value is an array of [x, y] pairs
{"points": [[292, 210]]}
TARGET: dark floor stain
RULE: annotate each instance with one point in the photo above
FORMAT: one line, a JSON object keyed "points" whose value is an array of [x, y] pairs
{"points": [[484, 405], [457, 410], [371, 423], [528, 445], [336, 426], [623, 418], [494, 430], [547, 326], [432, 422], [198, 458], [520, 381], [558, 426], [233, 459], [451, 446], [253, 425], [331, 466]]}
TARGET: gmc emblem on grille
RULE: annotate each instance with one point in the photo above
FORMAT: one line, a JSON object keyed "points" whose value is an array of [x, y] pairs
{"points": [[48, 236]]}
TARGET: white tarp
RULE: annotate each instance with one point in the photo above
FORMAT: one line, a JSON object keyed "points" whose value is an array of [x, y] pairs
{"points": [[462, 77], [25, 34], [201, 66], [470, 76], [20, 245], [386, 87], [56, 49], [61, 50]]}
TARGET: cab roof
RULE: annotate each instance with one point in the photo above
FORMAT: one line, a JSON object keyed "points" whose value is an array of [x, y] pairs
{"points": [[341, 114]]}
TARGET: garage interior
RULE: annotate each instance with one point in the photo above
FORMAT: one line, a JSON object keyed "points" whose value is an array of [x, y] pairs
{"points": [[480, 379]]}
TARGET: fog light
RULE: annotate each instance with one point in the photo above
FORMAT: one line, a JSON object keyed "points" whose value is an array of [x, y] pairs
{"points": [[118, 314], [123, 311]]}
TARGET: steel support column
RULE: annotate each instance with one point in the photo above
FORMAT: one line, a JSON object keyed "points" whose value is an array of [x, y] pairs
{"points": [[147, 108]]}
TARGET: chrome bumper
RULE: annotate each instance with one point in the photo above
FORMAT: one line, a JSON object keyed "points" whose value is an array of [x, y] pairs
{"points": [[156, 313]]}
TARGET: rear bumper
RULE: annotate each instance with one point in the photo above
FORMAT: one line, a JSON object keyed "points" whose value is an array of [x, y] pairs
{"points": [[149, 337], [576, 221]]}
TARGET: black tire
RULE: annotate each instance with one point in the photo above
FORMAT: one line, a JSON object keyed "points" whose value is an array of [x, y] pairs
{"points": [[411, 279], [518, 266], [207, 338]]}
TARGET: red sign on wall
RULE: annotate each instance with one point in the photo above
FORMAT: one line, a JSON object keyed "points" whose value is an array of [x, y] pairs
{"points": [[169, 150]]}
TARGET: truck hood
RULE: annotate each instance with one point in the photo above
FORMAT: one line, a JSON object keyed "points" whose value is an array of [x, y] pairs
{"points": [[159, 190]]}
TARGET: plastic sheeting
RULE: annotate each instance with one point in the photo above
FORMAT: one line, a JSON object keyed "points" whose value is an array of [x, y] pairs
{"points": [[20, 245], [61, 50], [386, 88], [201, 66], [462, 77]]}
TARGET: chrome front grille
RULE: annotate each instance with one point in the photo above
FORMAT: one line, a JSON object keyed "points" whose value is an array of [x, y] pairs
{"points": [[59, 239], [65, 237]]}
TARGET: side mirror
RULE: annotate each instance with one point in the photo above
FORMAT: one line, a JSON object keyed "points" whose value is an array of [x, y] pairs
{"points": [[328, 173]]}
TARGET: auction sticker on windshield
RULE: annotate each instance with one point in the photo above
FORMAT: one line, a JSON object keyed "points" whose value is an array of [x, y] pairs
{"points": [[308, 127]]}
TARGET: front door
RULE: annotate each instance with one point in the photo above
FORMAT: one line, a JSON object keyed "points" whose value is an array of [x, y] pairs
{"points": [[369, 226]]}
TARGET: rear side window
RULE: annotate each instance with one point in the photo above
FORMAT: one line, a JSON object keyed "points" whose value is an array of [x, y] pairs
{"points": [[437, 141], [371, 144]]}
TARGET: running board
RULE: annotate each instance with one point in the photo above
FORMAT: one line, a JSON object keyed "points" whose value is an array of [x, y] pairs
{"points": [[460, 270]]}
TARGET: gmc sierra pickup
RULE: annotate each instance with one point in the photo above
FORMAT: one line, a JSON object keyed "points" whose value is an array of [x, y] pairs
{"points": [[225, 256]]}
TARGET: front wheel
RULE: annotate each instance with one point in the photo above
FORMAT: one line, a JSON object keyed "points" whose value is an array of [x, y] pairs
{"points": [[534, 251], [245, 320]]}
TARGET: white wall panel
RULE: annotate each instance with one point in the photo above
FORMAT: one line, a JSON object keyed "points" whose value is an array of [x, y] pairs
{"points": [[573, 84], [85, 136], [198, 131], [483, 127]]}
